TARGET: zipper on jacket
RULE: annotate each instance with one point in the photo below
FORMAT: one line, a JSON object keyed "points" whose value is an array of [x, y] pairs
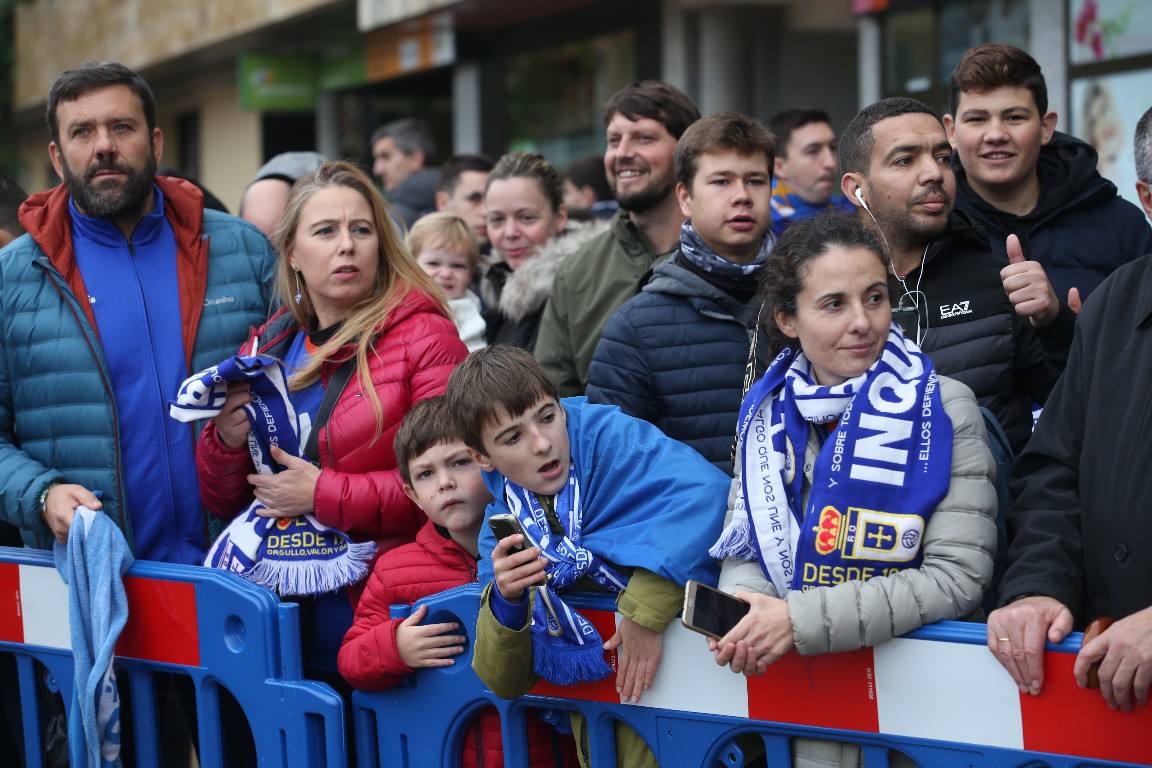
{"points": [[71, 301], [160, 390]]}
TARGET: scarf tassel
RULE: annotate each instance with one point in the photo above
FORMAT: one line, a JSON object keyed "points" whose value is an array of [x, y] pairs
{"points": [[565, 664], [735, 541], [313, 577]]}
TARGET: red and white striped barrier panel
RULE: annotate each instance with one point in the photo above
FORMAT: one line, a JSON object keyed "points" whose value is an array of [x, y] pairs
{"points": [[921, 689], [162, 620]]}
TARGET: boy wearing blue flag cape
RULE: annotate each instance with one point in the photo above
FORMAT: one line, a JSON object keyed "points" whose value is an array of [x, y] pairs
{"points": [[607, 503]]}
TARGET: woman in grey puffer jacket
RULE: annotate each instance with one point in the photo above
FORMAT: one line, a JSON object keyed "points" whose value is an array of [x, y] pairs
{"points": [[885, 519]]}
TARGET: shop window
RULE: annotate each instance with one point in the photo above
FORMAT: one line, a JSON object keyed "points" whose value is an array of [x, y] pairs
{"points": [[910, 52], [923, 46], [966, 25], [554, 97], [287, 132], [1110, 57]]}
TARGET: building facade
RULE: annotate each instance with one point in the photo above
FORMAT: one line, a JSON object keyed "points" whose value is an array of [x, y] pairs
{"points": [[238, 81]]}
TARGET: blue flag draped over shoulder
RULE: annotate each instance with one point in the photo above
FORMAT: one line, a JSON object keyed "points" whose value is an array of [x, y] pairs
{"points": [[644, 499], [291, 555], [875, 482]]}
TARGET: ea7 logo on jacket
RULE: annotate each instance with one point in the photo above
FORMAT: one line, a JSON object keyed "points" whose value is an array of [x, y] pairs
{"points": [[954, 310]]}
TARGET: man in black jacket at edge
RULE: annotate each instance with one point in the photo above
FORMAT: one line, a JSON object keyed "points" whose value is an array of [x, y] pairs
{"points": [[1081, 531], [982, 320]]}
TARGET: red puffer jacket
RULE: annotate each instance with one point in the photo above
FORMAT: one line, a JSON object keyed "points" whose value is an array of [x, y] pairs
{"points": [[360, 490], [370, 661]]}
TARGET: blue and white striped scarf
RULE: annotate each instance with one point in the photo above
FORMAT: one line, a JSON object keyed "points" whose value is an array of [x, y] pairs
{"points": [[291, 555], [693, 247], [875, 482], [566, 648]]}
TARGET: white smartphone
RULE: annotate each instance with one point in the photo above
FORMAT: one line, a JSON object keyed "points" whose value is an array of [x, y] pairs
{"points": [[710, 611]]}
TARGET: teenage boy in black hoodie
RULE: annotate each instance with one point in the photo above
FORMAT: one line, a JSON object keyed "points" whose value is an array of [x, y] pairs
{"points": [[1016, 175]]}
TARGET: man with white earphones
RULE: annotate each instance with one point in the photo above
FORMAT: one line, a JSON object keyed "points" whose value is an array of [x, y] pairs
{"points": [[946, 287]]}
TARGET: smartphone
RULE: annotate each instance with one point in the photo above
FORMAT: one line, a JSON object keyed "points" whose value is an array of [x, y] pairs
{"points": [[710, 611], [505, 525]]}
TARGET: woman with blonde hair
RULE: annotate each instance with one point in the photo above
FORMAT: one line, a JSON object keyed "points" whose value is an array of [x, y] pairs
{"points": [[366, 334]]}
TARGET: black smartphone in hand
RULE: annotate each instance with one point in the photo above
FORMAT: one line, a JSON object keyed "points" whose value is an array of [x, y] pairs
{"points": [[505, 525]]}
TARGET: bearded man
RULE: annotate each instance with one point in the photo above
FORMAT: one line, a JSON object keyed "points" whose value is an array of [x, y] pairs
{"points": [[122, 287], [642, 124]]}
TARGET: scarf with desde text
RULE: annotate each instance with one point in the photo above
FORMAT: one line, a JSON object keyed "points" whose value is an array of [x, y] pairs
{"points": [[291, 555], [875, 483], [566, 648]]}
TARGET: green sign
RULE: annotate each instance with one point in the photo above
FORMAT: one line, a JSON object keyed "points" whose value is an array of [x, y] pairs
{"points": [[270, 82], [343, 69]]}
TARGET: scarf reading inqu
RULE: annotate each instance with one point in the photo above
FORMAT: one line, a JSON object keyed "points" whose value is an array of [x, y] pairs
{"points": [[291, 555], [875, 483], [566, 648]]}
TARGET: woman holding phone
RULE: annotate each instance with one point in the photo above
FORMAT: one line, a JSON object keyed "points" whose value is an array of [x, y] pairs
{"points": [[862, 505]]}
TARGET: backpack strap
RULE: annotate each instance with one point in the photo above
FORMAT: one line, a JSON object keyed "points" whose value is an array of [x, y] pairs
{"points": [[332, 392]]}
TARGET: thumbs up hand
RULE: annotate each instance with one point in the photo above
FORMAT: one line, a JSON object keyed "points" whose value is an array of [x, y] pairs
{"points": [[1027, 286], [1075, 303]]}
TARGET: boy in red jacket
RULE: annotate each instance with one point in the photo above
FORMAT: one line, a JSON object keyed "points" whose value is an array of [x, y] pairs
{"points": [[442, 478]]}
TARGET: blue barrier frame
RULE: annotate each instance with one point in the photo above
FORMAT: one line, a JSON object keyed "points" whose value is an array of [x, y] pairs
{"points": [[248, 645], [393, 728]]}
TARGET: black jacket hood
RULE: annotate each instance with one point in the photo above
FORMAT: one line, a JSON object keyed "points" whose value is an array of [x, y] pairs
{"points": [[1068, 179]]}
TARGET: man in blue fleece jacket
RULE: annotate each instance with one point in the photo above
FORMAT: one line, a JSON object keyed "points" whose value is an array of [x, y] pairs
{"points": [[121, 288]]}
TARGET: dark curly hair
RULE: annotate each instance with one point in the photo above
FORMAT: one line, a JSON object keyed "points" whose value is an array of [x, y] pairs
{"points": [[784, 273]]}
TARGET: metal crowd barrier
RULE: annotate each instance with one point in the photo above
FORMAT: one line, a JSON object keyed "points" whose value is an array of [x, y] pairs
{"points": [[936, 696]]}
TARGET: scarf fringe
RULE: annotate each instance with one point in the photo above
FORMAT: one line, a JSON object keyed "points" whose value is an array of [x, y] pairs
{"points": [[312, 577], [735, 541], [569, 664]]}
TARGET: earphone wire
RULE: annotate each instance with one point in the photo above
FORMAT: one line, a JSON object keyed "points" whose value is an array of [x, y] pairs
{"points": [[914, 295]]}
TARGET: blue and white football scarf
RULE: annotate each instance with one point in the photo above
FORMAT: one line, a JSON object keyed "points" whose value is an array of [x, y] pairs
{"points": [[566, 648], [876, 480], [291, 555]]}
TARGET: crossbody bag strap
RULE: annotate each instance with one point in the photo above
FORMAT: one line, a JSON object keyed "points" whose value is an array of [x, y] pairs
{"points": [[332, 392], [749, 369]]}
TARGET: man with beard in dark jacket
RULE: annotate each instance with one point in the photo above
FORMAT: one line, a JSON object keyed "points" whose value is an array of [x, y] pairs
{"points": [[675, 355], [948, 289], [1015, 175], [1081, 536]]}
